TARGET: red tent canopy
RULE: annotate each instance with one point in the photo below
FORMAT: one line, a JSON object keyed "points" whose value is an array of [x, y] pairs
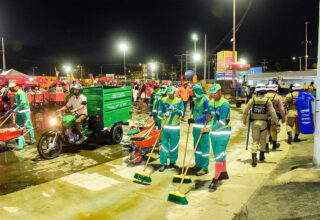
{"points": [[56, 82], [21, 82]]}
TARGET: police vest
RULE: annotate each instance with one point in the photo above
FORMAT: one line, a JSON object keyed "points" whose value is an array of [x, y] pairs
{"points": [[259, 109], [274, 100], [292, 104]]}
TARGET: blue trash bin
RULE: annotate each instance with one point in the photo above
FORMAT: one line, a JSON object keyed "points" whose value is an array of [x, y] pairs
{"points": [[305, 116]]}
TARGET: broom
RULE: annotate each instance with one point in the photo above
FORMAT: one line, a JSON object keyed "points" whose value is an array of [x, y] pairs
{"points": [[177, 196], [177, 178], [143, 176]]}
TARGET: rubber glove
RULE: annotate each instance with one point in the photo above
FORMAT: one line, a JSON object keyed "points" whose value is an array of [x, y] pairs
{"points": [[171, 108], [167, 114], [8, 113]]}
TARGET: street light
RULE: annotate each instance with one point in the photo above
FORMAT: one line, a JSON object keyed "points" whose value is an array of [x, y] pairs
{"points": [[67, 68], [153, 67], [196, 57], [195, 38], [243, 61], [124, 47], [295, 58]]}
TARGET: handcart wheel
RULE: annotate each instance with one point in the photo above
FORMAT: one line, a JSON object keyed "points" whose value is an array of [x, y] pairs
{"points": [[136, 156]]}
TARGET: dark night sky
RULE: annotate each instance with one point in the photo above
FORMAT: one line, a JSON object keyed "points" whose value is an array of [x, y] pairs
{"points": [[48, 33]]}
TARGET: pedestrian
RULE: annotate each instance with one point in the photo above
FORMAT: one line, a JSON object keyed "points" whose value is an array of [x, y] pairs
{"points": [[220, 132], [143, 96], [135, 93], [155, 95], [277, 103], [170, 110], [200, 111], [260, 109], [292, 114], [23, 116], [183, 93]]}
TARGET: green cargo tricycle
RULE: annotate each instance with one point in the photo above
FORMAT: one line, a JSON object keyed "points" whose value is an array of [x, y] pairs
{"points": [[108, 109]]}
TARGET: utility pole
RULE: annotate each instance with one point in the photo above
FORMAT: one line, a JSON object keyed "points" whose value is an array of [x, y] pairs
{"points": [[181, 62], [3, 57], [215, 66], [205, 59], [264, 63], [307, 42], [33, 68], [234, 43], [209, 62], [187, 60], [316, 154]]}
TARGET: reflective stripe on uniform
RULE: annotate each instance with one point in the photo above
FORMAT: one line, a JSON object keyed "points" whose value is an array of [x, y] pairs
{"points": [[222, 122], [220, 132], [172, 127], [154, 110], [159, 117], [164, 149], [198, 152], [219, 156], [181, 113], [24, 110], [205, 155], [198, 126], [174, 148]]}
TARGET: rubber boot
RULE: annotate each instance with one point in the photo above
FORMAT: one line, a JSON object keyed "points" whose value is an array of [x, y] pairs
{"points": [[223, 176], [267, 148], [289, 137], [261, 156], [254, 159], [275, 145], [174, 166], [214, 184], [296, 138], [162, 168]]}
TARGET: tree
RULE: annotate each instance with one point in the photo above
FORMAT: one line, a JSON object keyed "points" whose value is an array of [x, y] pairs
{"points": [[278, 66]]}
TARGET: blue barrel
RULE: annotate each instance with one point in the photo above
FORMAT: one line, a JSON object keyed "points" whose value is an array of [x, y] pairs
{"points": [[305, 116]]}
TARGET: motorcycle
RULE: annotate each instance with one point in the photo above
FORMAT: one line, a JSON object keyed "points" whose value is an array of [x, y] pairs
{"points": [[63, 132]]}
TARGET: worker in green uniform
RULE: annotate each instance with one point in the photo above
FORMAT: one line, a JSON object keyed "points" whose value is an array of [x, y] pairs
{"points": [[155, 95], [220, 132], [163, 92], [171, 108], [200, 111], [23, 116]]}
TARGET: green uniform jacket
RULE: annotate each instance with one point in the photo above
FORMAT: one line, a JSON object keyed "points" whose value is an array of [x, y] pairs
{"points": [[20, 101], [220, 115], [155, 95], [174, 117]]}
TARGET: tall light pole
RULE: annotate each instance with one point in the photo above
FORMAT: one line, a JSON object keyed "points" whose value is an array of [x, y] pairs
{"points": [[306, 43], [124, 47], [195, 38], [300, 61], [205, 59], [234, 42]]}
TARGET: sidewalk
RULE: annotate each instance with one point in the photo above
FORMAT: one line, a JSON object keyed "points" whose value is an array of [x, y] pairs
{"points": [[107, 191]]}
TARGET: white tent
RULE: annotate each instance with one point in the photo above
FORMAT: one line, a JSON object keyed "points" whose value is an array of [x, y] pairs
{"points": [[13, 75]]}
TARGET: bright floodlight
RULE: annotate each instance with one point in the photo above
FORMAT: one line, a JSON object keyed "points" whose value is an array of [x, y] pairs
{"points": [[123, 47], [294, 58], [67, 68], [196, 57], [194, 37], [153, 66], [243, 61]]}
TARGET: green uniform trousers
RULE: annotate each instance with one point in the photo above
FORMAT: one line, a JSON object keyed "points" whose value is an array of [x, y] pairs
{"points": [[169, 144], [202, 154]]}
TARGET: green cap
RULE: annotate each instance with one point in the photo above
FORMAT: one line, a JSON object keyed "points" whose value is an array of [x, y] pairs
{"points": [[171, 90], [163, 89], [214, 88], [12, 85], [198, 91]]}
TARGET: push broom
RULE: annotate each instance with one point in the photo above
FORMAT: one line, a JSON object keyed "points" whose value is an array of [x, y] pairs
{"points": [[178, 178], [177, 196], [143, 176]]}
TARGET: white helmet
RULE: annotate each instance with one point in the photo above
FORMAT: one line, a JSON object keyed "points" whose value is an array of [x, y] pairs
{"points": [[272, 87], [260, 88], [296, 86]]}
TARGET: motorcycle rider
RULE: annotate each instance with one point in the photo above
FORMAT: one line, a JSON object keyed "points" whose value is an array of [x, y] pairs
{"points": [[78, 102]]}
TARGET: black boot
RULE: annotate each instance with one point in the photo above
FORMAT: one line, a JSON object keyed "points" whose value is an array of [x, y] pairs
{"points": [[289, 137], [267, 148], [296, 138], [262, 157], [173, 165], [275, 145], [223, 176], [162, 168], [214, 184], [254, 159]]}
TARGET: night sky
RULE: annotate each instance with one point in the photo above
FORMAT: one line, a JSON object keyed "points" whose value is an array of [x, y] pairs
{"points": [[48, 33]]}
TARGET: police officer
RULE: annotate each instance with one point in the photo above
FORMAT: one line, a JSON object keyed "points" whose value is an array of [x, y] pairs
{"points": [[200, 110], [155, 95], [261, 108], [292, 114], [220, 132], [278, 107], [170, 110]]}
